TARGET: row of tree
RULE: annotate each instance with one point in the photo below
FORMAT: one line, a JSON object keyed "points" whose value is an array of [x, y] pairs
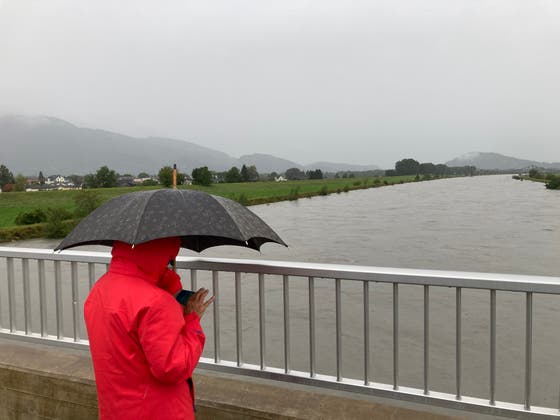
{"points": [[413, 167], [105, 177]]}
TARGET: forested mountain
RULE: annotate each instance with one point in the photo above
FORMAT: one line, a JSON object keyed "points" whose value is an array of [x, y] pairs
{"points": [[54, 146], [497, 161]]}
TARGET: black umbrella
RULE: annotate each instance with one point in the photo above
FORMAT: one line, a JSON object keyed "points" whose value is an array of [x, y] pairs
{"points": [[201, 220]]}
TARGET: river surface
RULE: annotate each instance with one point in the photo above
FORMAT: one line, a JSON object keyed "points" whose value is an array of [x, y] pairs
{"points": [[484, 224]]}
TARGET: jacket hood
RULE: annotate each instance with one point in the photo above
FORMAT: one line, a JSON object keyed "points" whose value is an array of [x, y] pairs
{"points": [[150, 258]]}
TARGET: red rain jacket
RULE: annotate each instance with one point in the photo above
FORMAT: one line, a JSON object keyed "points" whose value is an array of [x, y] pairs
{"points": [[144, 350]]}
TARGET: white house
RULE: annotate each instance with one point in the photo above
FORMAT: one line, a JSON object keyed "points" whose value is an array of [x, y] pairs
{"points": [[56, 179]]}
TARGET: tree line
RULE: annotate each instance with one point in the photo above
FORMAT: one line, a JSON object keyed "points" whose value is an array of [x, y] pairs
{"points": [[411, 166], [105, 177]]}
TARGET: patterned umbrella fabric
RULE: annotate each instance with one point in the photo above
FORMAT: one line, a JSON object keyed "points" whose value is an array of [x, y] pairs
{"points": [[201, 220]]}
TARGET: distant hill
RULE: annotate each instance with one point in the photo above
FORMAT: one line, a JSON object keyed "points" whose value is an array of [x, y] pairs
{"points": [[268, 163], [30, 144], [497, 161], [33, 144], [335, 167]]}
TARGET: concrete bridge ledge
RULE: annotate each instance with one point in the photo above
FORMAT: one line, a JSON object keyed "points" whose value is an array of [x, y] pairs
{"points": [[46, 382]]}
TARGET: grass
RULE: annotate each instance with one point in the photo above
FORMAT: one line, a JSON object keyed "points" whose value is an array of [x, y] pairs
{"points": [[267, 192], [13, 203], [250, 193]]}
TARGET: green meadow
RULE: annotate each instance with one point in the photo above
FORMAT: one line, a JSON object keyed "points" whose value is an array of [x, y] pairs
{"points": [[249, 193]]}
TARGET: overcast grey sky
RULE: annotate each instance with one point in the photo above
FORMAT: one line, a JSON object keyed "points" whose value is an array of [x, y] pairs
{"points": [[366, 82]]}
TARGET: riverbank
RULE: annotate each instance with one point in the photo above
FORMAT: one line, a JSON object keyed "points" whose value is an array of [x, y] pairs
{"points": [[551, 181], [249, 193]]}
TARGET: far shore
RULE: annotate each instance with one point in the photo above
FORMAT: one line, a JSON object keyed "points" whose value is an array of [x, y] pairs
{"points": [[248, 193]]}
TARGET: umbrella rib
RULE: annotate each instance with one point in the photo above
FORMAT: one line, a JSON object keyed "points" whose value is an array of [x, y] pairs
{"points": [[234, 222], [142, 218]]}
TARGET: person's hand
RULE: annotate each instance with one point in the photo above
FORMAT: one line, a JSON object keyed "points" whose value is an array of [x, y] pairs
{"points": [[197, 304]]}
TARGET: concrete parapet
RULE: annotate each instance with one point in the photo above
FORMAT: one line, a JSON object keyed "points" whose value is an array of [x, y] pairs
{"points": [[45, 382]]}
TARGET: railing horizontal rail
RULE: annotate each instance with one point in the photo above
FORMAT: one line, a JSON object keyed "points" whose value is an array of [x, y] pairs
{"points": [[467, 280], [60, 298], [377, 389], [50, 255]]}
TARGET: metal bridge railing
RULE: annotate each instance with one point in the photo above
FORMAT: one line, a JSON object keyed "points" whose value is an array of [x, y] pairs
{"points": [[42, 295]]}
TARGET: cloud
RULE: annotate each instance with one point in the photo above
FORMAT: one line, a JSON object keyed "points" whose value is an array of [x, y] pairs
{"points": [[357, 81]]}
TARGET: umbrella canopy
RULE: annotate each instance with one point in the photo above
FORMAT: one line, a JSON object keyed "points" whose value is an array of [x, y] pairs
{"points": [[201, 220]]}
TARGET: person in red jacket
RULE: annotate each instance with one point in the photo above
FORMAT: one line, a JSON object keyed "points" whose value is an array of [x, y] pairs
{"points": [[144, 344]]}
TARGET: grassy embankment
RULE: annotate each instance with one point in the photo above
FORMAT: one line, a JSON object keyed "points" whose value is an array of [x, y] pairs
{"points": [[250, 193]]}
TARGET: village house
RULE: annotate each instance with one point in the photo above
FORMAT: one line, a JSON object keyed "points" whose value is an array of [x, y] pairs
{"points": [[56, 179], [53, 182]]}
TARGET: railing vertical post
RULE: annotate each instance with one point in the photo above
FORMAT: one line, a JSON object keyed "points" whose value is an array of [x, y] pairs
{"points": [[58, 298], [426, 339], [492, 347], [458, 343], [286, 289], [311, 326], [238, 319], [91, 274], [262, 329], [528, 348], [366, 333], [216, 308], [11, 294], [193, 280], [75, 301], [1, 317], [42, 297], [338, 331], [395, 336], [26, 295]]}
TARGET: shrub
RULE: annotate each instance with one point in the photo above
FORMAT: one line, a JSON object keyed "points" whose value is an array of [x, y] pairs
{"points": [[535, 174], [293, 194], [554, 184], [356, 183], [7, 187], [57, 225], [242, 199], [346, 188], [324, 190], [86, 202], [18, 233], [31, 217]]}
